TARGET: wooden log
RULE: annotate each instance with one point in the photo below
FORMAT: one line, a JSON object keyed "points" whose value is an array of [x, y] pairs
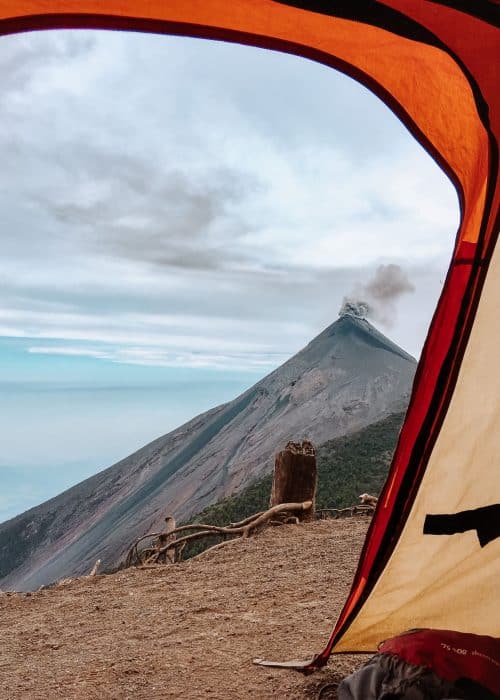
{"points": [[295, 477]]}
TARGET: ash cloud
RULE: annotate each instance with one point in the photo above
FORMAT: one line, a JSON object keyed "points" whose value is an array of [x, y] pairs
{"points": [[388, 284], [377, 299], [352, 307]]}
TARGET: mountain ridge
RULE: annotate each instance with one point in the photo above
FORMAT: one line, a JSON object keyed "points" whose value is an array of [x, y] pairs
{"points": [[347, 377]]}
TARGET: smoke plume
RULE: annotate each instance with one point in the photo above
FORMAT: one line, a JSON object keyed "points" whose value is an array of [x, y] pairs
{"points": [[351, 307], [378, 297]]}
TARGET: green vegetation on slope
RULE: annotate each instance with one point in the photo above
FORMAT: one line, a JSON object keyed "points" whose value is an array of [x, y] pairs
{"points": [[356, 463], [347, 466]]}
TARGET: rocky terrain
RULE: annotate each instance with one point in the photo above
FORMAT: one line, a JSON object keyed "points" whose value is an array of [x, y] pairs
{"points": [[188, 630], [348, 377]]}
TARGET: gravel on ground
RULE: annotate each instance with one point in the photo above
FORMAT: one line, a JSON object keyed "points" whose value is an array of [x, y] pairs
{"points": [[188, 630]]}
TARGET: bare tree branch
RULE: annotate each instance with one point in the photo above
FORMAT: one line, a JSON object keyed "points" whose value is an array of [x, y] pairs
{"points": [[168, 540]]}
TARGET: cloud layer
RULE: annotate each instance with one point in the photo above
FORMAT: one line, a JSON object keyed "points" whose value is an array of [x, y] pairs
{"points": [[175, 202]]}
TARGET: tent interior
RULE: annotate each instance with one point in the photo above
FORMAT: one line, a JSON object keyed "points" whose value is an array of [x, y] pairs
{"points": [[434, 63]]}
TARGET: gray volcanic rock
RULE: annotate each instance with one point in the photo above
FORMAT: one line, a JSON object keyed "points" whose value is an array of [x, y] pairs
{"points": [[346, 378]]}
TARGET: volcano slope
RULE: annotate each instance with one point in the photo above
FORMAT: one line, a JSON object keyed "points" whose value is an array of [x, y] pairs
{"points": [[188, 630], [346, 378]]}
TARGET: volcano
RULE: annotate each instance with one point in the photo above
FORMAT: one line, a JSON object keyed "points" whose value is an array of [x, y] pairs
{"points": [[348, 377]]}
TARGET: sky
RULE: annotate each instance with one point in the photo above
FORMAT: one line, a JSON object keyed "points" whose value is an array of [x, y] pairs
{"points": [[177, 218]]}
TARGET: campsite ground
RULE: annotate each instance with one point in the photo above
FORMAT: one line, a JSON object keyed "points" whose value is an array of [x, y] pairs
{"points": [[190, 630]]}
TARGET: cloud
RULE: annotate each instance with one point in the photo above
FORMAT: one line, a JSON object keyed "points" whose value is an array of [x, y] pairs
{"points": [[152, 199], [162, 218], [24, 60], [67, 351], [156, 357]]}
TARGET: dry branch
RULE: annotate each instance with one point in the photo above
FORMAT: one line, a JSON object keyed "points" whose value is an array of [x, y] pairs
{"points": [[167, 545], [243, 530], [168, 540], [345, 512]]}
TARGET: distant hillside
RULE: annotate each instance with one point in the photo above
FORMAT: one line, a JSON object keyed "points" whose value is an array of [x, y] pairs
{"points": [[347, 466]]}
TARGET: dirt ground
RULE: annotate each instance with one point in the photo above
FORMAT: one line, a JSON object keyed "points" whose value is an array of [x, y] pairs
{"points": [[189, 630]]}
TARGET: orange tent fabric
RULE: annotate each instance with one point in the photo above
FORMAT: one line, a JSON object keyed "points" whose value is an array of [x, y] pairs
{"points": [[435, 64]]}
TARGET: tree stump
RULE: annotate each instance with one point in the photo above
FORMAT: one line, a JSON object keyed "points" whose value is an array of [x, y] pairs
{"points": [[295, 477]]}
